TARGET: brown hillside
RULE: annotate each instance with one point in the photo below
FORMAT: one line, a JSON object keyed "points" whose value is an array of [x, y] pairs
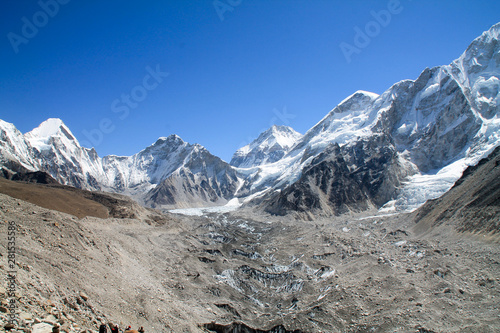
{"points": [[56, 198]]}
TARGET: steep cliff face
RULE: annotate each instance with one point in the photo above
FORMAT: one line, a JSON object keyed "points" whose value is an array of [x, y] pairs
{"points": [[355, 177], [431, 118]]}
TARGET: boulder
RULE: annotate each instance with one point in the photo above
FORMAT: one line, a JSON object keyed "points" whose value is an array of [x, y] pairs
{"points": [[41, 328]]}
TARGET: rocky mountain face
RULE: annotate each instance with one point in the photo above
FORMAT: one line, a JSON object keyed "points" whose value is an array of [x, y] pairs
{"points": [[392, 151], [202, 178], [15, 155], [172, 173], [354, 177]]}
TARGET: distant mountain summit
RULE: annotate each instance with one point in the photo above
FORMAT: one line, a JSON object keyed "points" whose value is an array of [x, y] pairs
{"points": [[269, 147], [50, 129], [392, 151], [159, 175]]}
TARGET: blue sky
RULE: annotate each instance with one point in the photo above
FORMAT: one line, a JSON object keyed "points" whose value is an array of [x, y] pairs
{"points": [[235, 67]]}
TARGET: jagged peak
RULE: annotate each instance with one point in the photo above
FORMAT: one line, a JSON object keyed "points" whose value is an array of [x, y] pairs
{"points": [[285, 136], [172, 142], [280, 128], [48, 127], [52, 127], [487, 37], [276, 131], [170, 138], [197, 148], [276, 140]]}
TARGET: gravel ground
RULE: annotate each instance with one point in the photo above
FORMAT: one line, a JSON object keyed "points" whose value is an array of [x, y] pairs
{"points": [[353, 273]]}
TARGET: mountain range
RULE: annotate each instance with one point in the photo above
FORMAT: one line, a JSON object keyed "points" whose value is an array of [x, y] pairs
{"points": [[390, 152]]}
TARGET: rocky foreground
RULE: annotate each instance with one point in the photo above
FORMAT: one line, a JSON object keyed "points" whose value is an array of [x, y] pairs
{"points": [[238, 273]]}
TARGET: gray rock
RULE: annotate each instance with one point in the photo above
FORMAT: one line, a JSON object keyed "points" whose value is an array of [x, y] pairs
{"points": [[42, 328]]}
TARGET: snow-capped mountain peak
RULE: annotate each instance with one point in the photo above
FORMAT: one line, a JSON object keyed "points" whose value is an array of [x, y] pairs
{"points": [[269, 147], [170, 139], [283, 136], [169, 143], [53, 127], [355, 101]]}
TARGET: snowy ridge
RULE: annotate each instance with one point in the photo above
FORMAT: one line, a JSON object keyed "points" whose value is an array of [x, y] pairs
{"points": [[352, 118]]}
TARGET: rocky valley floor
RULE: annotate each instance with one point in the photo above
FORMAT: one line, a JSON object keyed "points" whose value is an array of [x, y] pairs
{"points": [[238, 272]]}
